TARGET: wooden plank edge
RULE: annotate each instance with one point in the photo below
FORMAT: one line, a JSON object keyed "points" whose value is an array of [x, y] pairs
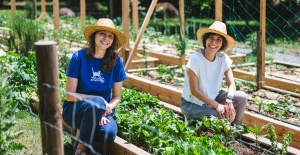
{"points": [[267, 142], [280, 127], [281, 91], [269, 81], [123, 147]]}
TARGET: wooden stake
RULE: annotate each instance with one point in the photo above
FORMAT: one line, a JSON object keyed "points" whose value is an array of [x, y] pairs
{"points": [[82, 11], [135, 14], [43, 9], [126, 25], [262, 48], [49, 97], [218, 10], [181, 13], [142, 30], [13, 6], [259, 62], [56, 14]]}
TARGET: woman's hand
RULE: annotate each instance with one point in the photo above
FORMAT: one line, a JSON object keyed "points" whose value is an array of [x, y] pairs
{"points": [[229, 110], [108, 109], [221, 109], [103, 120]]}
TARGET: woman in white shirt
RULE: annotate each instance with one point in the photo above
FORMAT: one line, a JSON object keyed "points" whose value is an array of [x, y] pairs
{"points": [[203, 79]]}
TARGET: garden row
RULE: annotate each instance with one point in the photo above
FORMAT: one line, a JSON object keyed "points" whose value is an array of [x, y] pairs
{"points": [[172, 95]]}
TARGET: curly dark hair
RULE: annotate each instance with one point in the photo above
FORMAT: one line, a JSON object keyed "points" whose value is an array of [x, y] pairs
{"points": [[205, 37], [110, 57]]}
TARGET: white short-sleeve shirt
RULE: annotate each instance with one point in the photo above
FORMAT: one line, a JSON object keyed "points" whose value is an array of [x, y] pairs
{"points": [[210, 75]]}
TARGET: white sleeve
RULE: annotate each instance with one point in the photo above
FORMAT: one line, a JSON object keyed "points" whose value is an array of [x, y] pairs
{"points": [[193, 64]]}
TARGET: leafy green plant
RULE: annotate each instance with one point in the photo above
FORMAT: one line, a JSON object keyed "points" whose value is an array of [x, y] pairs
{"points": [[23, 75], [287, 138], [145, 57], [271, 108], [273, 138], [165, 72], [8, 109], [259, 103], [22, 35], [256, 130], [251, 40]]}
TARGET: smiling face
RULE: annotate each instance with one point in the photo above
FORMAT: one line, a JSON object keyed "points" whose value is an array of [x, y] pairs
{"points": [[104, 39], [214, 42]]}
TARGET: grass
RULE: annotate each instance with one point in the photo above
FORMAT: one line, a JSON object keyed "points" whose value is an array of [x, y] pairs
{"points": [[31, 137]]}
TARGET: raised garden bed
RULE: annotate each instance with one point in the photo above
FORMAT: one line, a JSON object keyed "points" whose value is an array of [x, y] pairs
{"points": [[172, 95], [278, 74], [154, 128]]}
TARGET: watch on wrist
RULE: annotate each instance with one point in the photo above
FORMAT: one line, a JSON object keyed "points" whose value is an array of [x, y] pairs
{"points": [[229, 97]]}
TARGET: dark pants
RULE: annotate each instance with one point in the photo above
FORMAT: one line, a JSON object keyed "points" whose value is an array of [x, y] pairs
{"points": [[86, 115]]}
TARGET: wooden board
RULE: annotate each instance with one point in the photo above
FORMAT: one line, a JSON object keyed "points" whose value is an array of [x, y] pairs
{"points": [[120, 147], [290, 86]]}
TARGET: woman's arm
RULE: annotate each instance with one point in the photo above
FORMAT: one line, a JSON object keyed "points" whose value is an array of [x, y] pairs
{"points": [[230, 112], [230, 82], [116, 94], [71, 95], [116, 97], [194, 87]]}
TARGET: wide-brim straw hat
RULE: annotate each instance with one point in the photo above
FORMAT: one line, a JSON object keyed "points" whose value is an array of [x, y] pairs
{"points": [[218, 28], [105, 24]]}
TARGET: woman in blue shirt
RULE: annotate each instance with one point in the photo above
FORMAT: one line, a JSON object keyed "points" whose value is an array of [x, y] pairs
{"points": [[94, 85]]}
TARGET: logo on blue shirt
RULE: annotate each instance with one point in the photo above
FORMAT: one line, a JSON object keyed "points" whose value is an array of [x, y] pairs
{"points": [[97, 76]]}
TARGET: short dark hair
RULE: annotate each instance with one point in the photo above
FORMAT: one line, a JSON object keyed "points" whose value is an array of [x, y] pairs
{"points": [[206, 35]]}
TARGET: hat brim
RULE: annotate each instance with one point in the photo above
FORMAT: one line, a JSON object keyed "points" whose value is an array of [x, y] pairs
{"points": [[89, 30], [230, 41]]}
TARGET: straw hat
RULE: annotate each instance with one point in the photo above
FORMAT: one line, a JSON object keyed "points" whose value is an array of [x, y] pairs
{"points": [[218, 28], [106, 25]]}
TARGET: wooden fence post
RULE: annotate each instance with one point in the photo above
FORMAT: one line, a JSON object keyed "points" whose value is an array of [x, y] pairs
{"points": [[181, 13], [262, 43], [82, 11], [49, 97], [13, 6], [135, 14], [56, 14], [259, 61], [218, 10]]}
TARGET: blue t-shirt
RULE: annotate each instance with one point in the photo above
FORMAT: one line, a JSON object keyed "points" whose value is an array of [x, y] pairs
{"points": [[91, 79]]}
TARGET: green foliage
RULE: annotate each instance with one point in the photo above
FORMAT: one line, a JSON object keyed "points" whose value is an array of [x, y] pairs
{"points": [[256, 129], [23, 74], [181, 45], [145, 123], [287, 138], [251, 40], [8, 109], [22, 35], [273, 137], [165, 72]]}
